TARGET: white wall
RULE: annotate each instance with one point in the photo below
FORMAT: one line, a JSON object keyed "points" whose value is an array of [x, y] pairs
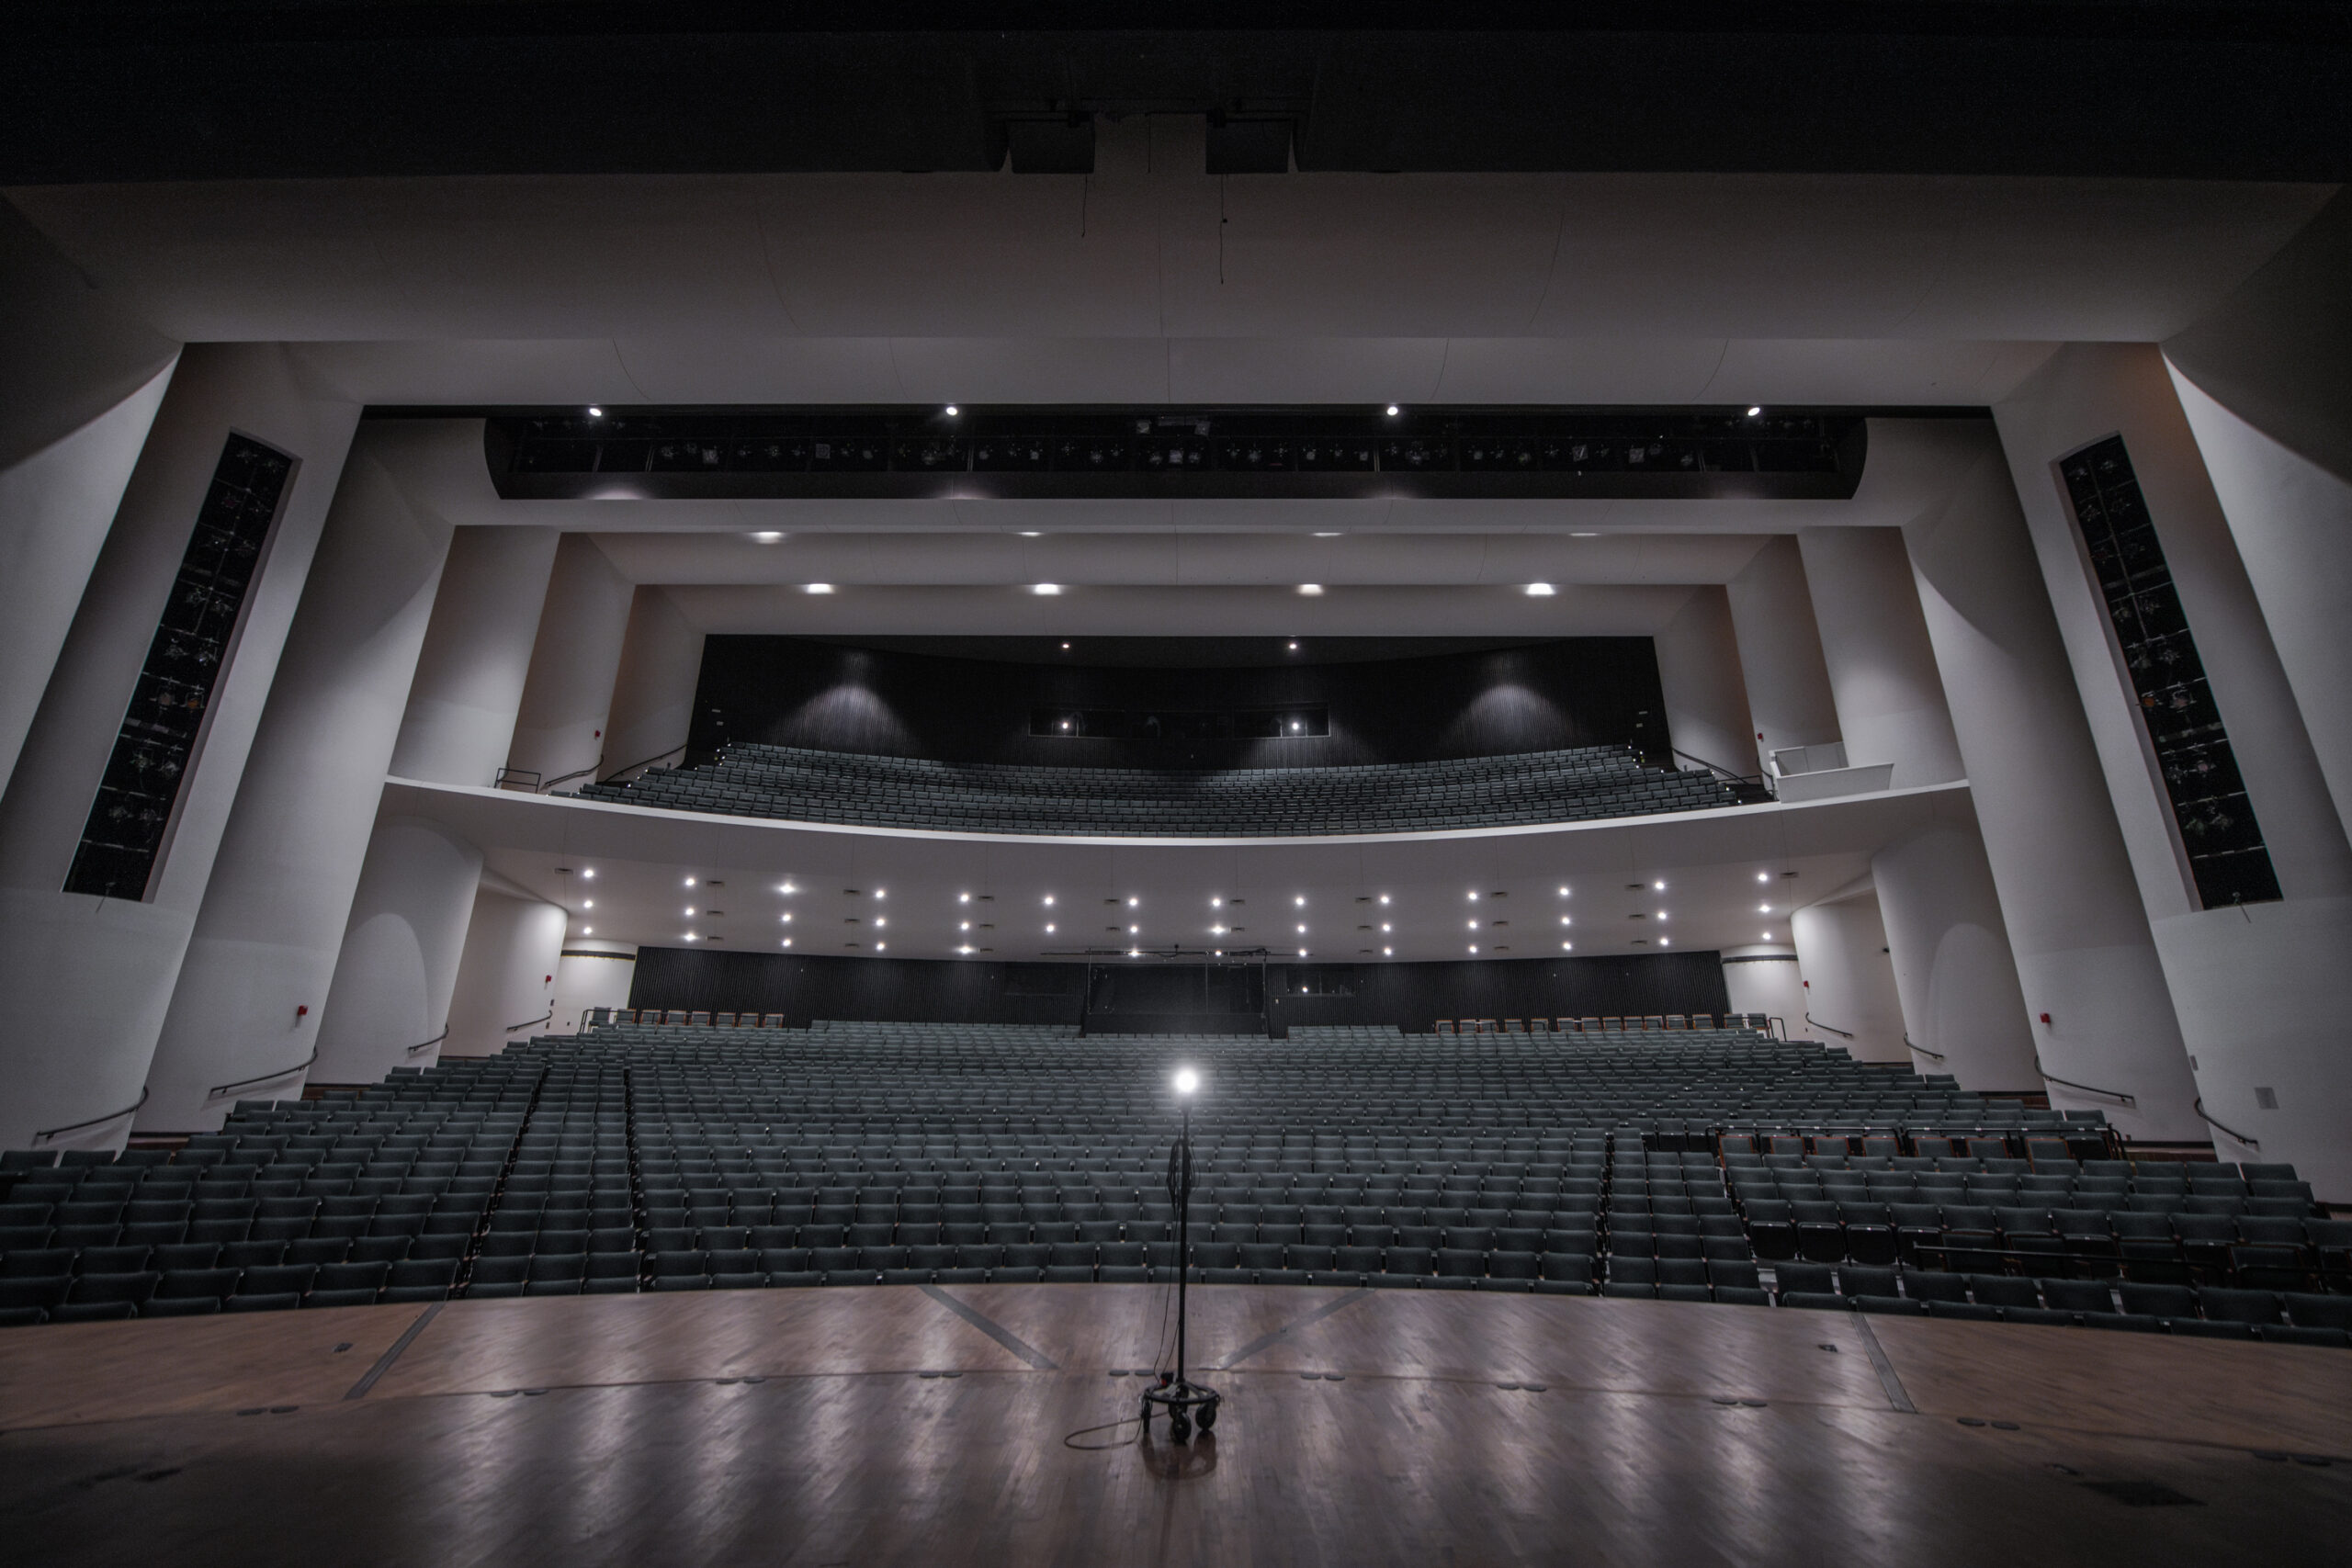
{"points": [[567, 695], [1779, 652], [654, 694], [1698, 669], [1963, 1007], [92, 977], [1882, 667], [1766, 980], [591, 973], [272, 917], [398, 965], [2077, 934], [1847, 980], [512, 957], [468, 688], [56, 505]]}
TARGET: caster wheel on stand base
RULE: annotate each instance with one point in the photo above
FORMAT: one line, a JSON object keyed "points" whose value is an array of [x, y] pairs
{"points": [[1208, 1415], [1179, 1430]]}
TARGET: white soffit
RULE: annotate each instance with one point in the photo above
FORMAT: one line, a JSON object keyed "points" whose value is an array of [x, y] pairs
{"points": [[1112, 256]]}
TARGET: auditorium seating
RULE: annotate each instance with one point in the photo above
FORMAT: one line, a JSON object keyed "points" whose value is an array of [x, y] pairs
{"points": [[804, 785], [1695, 1164]]}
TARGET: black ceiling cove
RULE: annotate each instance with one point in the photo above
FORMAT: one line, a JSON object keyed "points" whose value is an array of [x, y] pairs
{"points": [[1176, 454], [174, 89]]}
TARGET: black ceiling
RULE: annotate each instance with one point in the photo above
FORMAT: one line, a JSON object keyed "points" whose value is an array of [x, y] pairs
{"points": [[95, 90]]}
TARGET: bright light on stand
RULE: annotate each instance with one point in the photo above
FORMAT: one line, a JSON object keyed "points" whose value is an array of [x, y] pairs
{"points": [[1187, 1081]]}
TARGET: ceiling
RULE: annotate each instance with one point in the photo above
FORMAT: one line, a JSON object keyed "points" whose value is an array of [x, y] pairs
{"points": [[916, 882]]}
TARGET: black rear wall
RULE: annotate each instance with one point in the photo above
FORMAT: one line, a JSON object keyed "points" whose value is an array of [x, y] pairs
{"points": [[1410, 995], [799, 692]]}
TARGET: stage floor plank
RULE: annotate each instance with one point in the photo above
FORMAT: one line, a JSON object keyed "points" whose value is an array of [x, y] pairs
{"points": [[597, 1430]]}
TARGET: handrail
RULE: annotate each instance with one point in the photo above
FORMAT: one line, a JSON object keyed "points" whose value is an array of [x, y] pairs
{"points": [[224, 1089], [2114, 1094], [144, 1090], [1939, 1055], [1831, 1027], [428, 1044], [526, 1022], [2253, 1144], [548, 787], [1759, 779], [507, 778], [648, 762]]}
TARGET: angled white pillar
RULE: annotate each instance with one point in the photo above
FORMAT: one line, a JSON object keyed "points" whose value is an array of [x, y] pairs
{"points": [[243, 1021], [591, 973], [1964, 1013], [506, 987], [1847, 980], [2085, 958], [84, 377], [1764, 978], [398, 970], [2254, 1013], [1779, 652], [567, 697], [653, 695], [93, 977], [1874, 643], [1698, 670]]}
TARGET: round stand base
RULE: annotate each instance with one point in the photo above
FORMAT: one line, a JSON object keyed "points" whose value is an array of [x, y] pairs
{"points": [[1187, 1403]]}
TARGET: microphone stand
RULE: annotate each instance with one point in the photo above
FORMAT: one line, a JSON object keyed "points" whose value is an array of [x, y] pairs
{"points": [[1184, 1401]]}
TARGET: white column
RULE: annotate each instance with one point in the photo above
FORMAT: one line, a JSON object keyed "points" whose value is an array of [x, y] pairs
{"points": [[654, 697], [262, 957], [1882, 668], [92, 977], [2253, 1014], [58, 503], [508, 978], [84, 375], [592, 973], [1698, 670], [1962, 1010], [398, 967], [1766, 979], [1779, 652], [460, 718], [2291, 521], [566, 697], [1848, 983], [2086, 960]]}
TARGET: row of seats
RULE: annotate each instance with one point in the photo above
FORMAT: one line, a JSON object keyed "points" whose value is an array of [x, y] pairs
{"points": [[799, 784]]}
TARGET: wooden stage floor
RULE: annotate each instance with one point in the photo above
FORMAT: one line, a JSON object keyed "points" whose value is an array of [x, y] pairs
{"points": [[928, 1424]]}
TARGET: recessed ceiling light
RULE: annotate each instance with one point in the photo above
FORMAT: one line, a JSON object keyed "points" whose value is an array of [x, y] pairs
{"points": [[1332, 533], [1540, 591], [817, 588], [1311, 590], [1384, 897], [1302, 953], [789, 887], [1302, 930], [1049, 901], [586, 873], [767, 536], [1044, 590], [1392, 410], [1583, 535], [1763, 908], [690, 936], [690, 909], [1474, 925], [587, 930], [596, 413], [1666, 942], [1567, 947], [1474, 894], [587, 903], [1385, 926], [1049, 928], [1474, 947], [950, 411], [1032, 534], [690, 881], [885, 893], [1567, 919], [963, 897], [1065, 649], [1766, 935], [1294, 648], [787, 941], [1754, 412], [785, 918], [1387, 952], [1133, 902], [880, 945], [1300, 900], [1763, 876], [1659, 886]]}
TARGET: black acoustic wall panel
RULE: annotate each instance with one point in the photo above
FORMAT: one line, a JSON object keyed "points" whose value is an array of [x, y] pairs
{"points": [[2227, 858], [131, 816], [799, 691], [1409, 996]]}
